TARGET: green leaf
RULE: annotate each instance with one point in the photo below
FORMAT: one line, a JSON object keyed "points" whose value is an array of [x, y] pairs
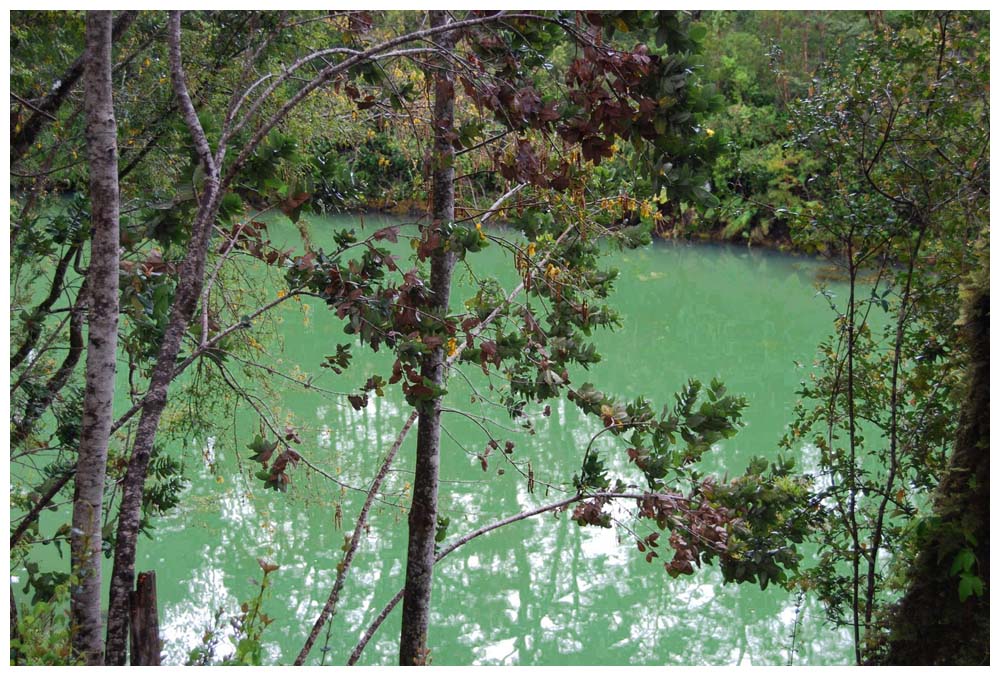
{"points": [[705, 198], [963, 562], [441, 531], [697, 32], [969, 585]]}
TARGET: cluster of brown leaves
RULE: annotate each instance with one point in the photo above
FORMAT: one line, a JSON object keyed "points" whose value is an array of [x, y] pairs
{"points": [[694, 529], [591, 513], [251, 238]]}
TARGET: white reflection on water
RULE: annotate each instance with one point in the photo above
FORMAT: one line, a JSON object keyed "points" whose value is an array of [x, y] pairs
{"points": [[502, 652], [697, 595], [572, 575], [514, 601], [208, 452], [323, 438], [235, 508], [603, 543], [183, 624], [540, 592]]}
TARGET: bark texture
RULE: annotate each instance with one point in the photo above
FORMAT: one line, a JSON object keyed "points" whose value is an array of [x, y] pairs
{"points": [[102, 342], [190, 282], [423, 509], [145, 628], [931, 625]]}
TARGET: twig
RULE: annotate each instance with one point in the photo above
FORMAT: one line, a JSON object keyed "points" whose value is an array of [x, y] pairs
{"points": [[352, 548], [377, 622], [211, 281], [29, 104], [554, 506]]}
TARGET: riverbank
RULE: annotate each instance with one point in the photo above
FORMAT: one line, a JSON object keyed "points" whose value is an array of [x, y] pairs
{"points": [[683, 230]]}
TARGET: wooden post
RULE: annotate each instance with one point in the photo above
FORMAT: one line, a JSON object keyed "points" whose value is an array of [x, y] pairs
{"points": [[15, 656], [144, 627]]}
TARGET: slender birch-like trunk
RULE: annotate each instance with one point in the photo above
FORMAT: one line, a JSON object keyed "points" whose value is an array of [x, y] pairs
{"points": [[102, 342], [423, 509], [190, 281]]}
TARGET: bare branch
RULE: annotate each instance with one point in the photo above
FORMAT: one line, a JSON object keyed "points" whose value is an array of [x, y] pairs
{"points": [[551, 507], [188, 112], [29, 104], [345, 564]]}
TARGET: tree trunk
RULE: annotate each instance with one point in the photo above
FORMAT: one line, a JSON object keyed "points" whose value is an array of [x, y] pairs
{"points": [[145, 622], [190, 281], [15, 655], [423, 509], [102, 342], [931, 625]]}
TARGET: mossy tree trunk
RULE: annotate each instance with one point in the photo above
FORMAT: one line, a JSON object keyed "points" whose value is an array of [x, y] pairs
{"points": [[932, 624]]}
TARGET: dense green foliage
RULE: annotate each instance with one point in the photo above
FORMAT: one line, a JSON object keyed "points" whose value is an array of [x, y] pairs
{"points": [[863, 137], [904, 126]]}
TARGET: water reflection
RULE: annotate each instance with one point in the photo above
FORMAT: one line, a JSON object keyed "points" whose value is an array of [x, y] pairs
{"points": [[541, 591]]}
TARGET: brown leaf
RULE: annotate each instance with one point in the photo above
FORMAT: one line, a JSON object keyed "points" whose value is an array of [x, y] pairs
{"points": [[292, 435], [390, 234], [291, 205], [267, 567]]}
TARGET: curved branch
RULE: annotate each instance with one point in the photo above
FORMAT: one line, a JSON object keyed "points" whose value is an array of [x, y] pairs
{"points": [[333, 70], [36, 406], [179, 81], [551, 507], [42, 503], [35, 322]]}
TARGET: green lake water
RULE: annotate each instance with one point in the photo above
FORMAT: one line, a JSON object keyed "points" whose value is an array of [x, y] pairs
{"points": [[540, 592]]}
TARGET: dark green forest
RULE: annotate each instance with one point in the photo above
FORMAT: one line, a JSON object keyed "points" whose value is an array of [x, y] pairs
{"points": [[447, 203]]}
